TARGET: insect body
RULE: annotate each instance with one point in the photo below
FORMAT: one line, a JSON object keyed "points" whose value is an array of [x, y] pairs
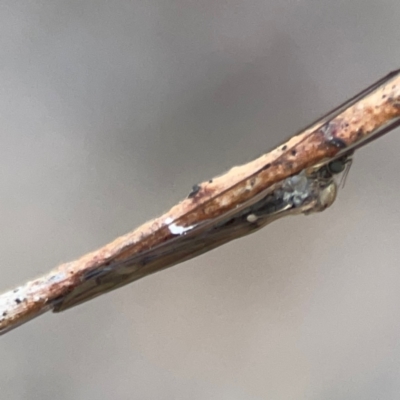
{"points": [[304, 193]]}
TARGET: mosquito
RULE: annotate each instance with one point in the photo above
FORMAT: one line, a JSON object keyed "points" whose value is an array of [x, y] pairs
{"points": [[298, 177]]}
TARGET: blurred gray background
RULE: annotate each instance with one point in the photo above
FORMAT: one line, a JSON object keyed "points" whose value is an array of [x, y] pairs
{"points": [[110, 112]]}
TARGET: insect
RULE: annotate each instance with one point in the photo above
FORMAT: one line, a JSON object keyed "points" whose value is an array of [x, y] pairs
{"points": [[298, 177], [305, 193]]}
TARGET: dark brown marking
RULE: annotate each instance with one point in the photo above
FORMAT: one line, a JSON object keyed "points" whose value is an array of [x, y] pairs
{"points": [[337, 142], [360, 133], [266, 166], [195, 189]]}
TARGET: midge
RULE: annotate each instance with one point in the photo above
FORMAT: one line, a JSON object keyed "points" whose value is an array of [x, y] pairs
{"points": [[298, 177]]}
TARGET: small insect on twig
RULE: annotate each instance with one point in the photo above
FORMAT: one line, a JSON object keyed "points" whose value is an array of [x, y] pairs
{"points": [[297, 177]]}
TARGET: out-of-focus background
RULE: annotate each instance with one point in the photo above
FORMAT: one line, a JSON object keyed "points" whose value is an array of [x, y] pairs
{"points": [[110, 112]]}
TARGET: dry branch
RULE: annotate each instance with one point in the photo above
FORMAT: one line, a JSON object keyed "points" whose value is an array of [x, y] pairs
{"points": [[184, 231]]}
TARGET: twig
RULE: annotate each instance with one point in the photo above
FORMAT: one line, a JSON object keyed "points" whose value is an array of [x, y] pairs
{"points": [[293, 178]]}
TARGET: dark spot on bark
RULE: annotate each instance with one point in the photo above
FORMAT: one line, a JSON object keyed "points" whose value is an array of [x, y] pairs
{"points": [[396, 104], [18, 301], [266, 166], [294, 152], [195, 189], [205, 192], [284, 147], [146, 260], [384, 96], [337, 142], [360, 133], [4, 313], [210, 181], [252, 182]]}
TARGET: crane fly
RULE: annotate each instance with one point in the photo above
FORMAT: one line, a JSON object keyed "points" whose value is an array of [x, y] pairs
{"points": [[298, 177]]}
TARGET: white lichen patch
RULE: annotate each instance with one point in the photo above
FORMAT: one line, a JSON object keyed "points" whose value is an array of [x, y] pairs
{"points": [[27, 301], [176, 229], [10, 301], [58, 277]]}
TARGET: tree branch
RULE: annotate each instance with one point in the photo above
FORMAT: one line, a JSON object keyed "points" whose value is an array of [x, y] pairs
{"points": [[219, 210]]}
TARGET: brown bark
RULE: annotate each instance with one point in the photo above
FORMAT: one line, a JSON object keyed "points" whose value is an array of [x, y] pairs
{"points": [[346, 128]]}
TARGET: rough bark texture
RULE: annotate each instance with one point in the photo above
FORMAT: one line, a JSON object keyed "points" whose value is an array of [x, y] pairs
{"points": [[340, 131]]}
